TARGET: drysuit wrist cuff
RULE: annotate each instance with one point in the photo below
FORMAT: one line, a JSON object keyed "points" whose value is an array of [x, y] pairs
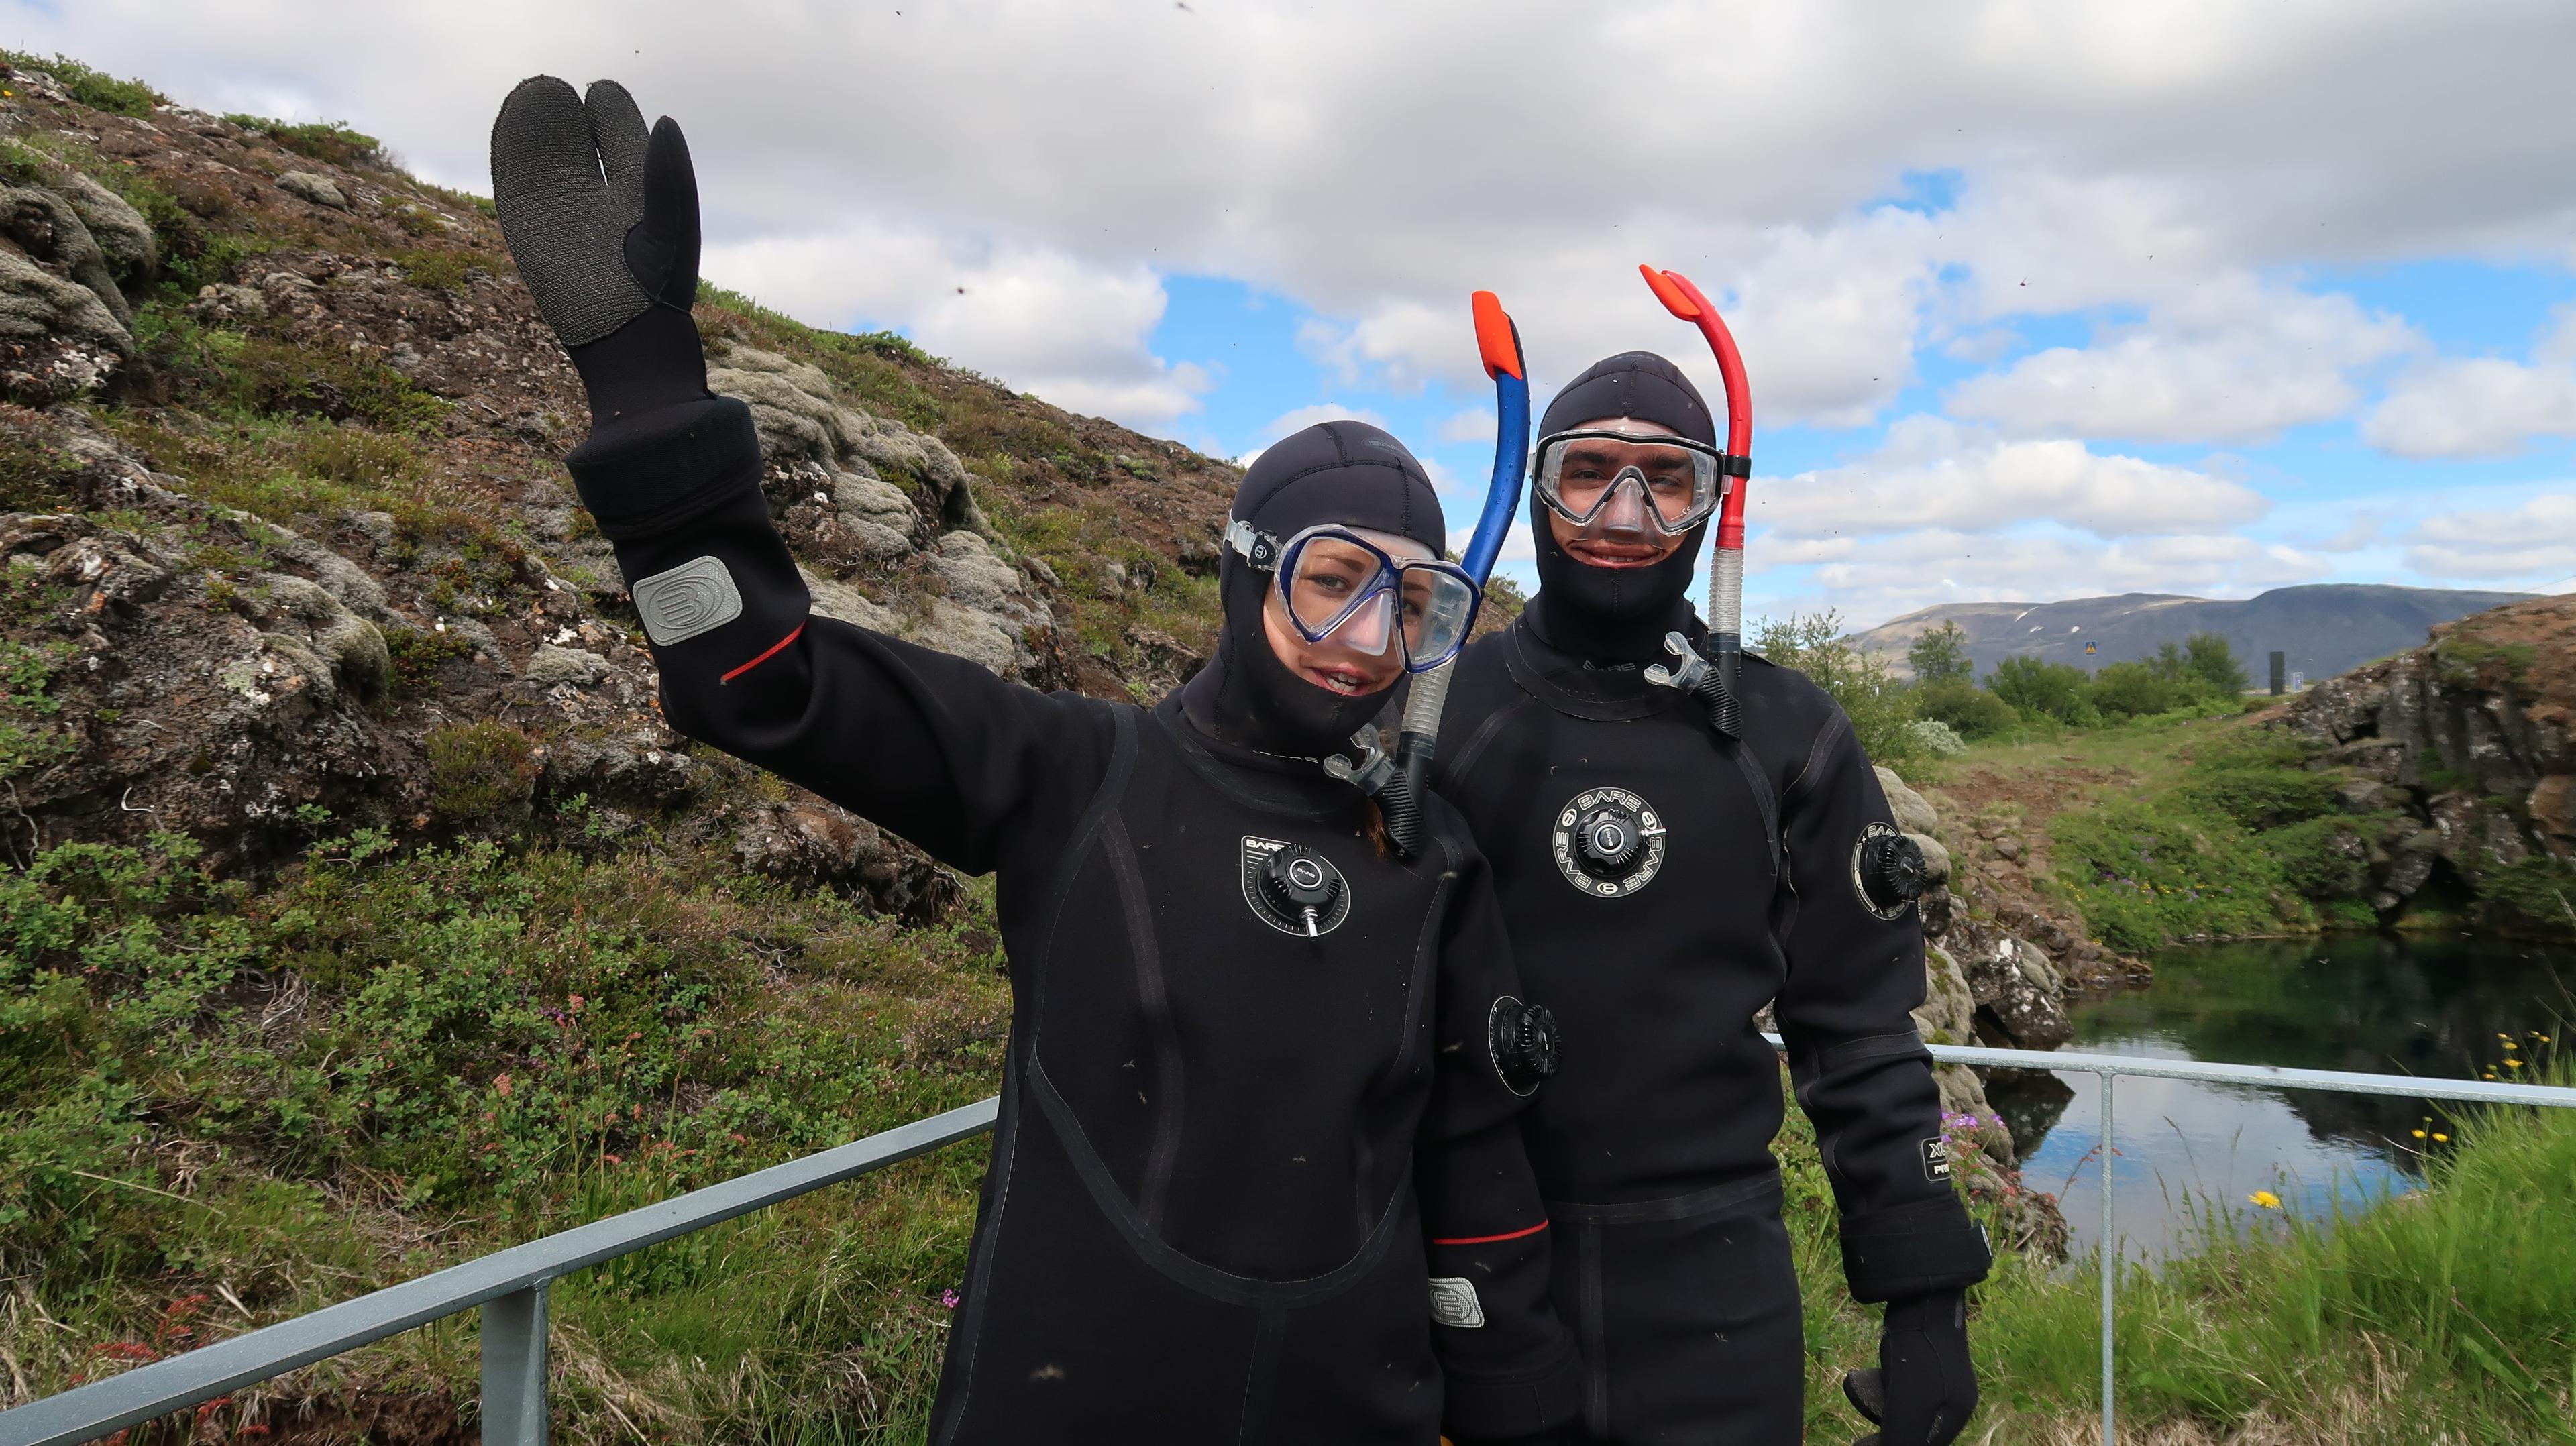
{"points": [[653, 472], [1913, 1250], [1934, 1310], [1513, 1405]]}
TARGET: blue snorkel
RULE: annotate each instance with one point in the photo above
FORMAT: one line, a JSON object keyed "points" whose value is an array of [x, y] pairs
{"points": [[1498, 343], [1398, 782]]}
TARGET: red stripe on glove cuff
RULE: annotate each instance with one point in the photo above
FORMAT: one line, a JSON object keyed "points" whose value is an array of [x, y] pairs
{"points": [[1494, 1239], [774, 649]]}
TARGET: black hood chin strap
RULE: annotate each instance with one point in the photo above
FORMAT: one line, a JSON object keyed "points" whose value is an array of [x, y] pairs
{"points": [[1246, 696]]}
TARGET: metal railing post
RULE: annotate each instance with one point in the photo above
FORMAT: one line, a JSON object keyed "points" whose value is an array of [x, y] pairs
{"points": [[2110, 1259], [514, 1368]]}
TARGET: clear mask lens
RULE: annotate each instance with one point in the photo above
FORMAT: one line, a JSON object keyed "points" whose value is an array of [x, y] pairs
{"points": [[1625, 484], [1342, 590]]}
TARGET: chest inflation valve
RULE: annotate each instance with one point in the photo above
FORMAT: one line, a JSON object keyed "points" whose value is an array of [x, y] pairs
{"points": [[1293, 888]]}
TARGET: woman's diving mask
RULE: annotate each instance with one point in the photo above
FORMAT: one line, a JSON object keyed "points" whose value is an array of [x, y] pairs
{"points": [[1337, 585]]}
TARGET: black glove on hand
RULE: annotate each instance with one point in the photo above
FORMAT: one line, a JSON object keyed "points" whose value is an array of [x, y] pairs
{"points": [[1924, 1389], [603, 221]]}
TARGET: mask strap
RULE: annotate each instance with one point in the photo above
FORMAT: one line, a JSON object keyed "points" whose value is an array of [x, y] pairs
{"points": [[1255, 546]]}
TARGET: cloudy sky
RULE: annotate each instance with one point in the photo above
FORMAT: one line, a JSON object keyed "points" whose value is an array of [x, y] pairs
{"points": [[2038, 300]]}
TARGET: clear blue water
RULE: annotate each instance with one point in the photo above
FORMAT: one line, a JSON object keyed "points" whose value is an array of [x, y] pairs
{"points": [[2377, 1004]]}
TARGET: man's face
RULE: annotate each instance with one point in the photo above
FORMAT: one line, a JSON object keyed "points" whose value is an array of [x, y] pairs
{"points": [[1615, 540], [1363, 654]]}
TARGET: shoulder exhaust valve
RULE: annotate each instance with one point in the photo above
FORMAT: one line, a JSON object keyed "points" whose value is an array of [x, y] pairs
{"points": [[1523, 1039], [1888, 870]]}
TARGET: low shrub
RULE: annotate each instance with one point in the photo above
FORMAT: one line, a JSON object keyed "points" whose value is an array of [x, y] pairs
{"points": [[262, 374], [90, 86], [480, 772], [1880, 709], [1972, 712], [328, 141], [2041, 689]]}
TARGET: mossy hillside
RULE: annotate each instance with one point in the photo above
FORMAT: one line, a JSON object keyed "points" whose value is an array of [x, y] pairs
{"points": [[2193, 829]]}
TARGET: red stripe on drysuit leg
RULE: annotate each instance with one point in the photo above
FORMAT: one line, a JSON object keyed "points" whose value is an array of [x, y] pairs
{"points": [[774, 649]]}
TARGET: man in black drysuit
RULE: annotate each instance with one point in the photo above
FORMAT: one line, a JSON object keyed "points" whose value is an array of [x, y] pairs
{"points": [[1662, 883], [1258, 1176]]}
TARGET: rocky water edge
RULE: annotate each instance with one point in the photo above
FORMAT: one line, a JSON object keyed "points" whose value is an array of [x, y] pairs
{"points": [[2461, 757]]}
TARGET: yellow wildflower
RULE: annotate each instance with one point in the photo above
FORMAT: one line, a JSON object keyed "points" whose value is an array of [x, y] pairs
{"points": [[2419, 1134], [2513, 1064], [2266, 1199], [2440, 1138]]}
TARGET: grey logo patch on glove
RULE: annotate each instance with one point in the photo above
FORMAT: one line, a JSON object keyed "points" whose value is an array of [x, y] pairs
{"points": [[696, 597], [1454, 1303], [1936, 1159]]}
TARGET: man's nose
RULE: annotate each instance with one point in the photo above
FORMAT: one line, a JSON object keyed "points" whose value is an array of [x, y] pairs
{"points": [[1623, 513]]}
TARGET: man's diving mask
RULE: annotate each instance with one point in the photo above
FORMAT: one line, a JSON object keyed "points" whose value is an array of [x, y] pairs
{"points": [[1612, 480], [1337, 585]]}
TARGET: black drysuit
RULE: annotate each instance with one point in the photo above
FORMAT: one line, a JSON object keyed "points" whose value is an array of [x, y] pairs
{"points": [[1200, 1223], [1729, 882]]}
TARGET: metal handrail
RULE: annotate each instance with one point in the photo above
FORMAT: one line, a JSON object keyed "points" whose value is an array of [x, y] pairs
{"points": [[510, 1285]]}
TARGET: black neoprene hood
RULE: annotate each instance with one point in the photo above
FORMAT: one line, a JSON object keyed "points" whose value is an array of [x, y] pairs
{"points": [[1617, 614], [1341, 472], [1635, 384], [1348, 473]]}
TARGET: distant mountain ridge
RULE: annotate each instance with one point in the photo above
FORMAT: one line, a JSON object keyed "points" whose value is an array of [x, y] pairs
{"points": [[2326, 628]]}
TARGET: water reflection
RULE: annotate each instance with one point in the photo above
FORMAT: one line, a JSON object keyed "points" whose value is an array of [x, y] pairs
{"points": [[2432, 1007]]}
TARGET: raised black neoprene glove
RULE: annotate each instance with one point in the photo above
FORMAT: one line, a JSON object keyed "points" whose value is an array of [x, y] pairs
{"points": [[602, 218], [1924, 1388]]}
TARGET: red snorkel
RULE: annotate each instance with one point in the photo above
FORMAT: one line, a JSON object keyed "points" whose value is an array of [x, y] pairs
{"points": [[1716, 687]]}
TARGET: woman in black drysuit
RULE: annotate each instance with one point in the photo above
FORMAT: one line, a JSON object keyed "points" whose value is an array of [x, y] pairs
{"points": [[1662, 882], [1244, 1040]]}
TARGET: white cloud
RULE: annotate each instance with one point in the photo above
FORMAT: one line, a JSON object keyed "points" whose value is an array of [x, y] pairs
{"points": [[2482, 406], [1346, 155], [1038, 319], [1869, 581], [2501, 546], [1981, 347], [1475, 424], [1304, 417], [1934, 474], [2233, 361]]}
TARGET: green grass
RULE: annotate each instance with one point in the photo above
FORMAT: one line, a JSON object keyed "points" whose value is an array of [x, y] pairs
{"points": [[2450, 1315], [91, 87], [328, 141], [2212, 829], [394, 1059]]}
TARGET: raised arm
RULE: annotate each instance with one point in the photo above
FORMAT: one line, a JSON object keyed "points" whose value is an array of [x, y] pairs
{"points": [[602, 217]]}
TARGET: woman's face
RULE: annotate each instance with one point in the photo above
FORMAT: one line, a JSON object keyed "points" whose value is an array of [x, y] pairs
{"points": [[1636, 545], [1361, 656]]}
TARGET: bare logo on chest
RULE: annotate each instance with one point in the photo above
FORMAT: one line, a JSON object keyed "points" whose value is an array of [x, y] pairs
{"points": [[1608, 842]]}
